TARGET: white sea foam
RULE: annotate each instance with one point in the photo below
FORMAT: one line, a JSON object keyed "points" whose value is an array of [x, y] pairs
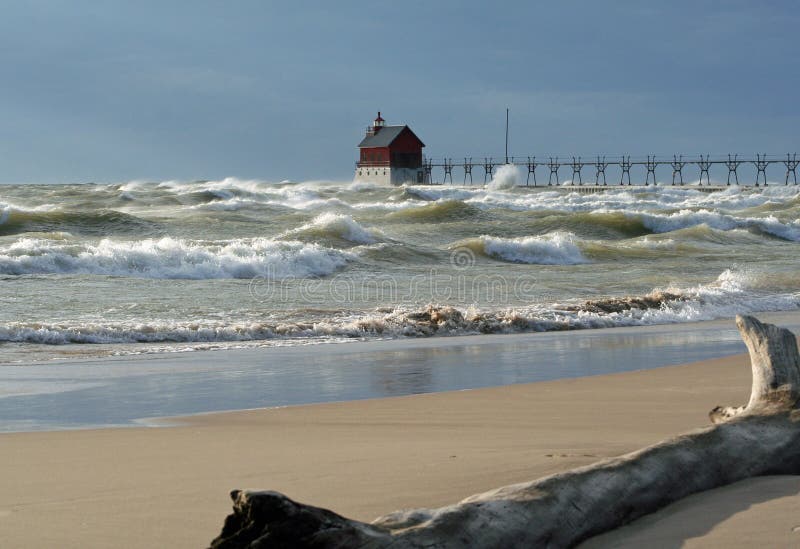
{"points": [[501, 192], [648, 243], [557, 248], [363, 186], [172, 258], [615, 198], [662, 223], [733, 292], [696, 233], [7, 208], [233, 194], [225, 187], [333, 224]]}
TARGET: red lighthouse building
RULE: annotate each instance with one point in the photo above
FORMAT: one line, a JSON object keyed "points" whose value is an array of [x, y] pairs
{"points": [[390, 154]]}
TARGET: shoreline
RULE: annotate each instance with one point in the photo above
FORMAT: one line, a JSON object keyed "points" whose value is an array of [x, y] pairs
{"points": [[153, 389], [791, 316], [96, 488]]}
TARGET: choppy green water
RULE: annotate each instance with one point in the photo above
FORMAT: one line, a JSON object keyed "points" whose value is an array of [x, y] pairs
{"points": [[139, 267]]}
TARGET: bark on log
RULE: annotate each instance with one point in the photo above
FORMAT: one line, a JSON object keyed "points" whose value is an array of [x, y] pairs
{"points": [[761, 438]]}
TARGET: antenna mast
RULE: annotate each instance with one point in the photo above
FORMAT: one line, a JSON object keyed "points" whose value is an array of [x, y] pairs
{"points": [[506, 135]]}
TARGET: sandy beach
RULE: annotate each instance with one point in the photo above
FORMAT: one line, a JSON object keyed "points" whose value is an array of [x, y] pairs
{"points": [[466, 274], [168, 487]]}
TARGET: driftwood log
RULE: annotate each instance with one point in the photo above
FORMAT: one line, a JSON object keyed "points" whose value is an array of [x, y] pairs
{"points": [[761, 438]]}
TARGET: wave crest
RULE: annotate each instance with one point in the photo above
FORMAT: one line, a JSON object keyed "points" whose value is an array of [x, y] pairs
{"points": [[770, 225], [335, 225], [172, 258], [507, 177], [733, 292], [44, 219], [557, 248]]}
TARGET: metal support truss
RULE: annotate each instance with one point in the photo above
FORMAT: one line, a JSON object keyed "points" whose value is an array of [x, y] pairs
{"points": [[553, 165], [600, 167], [791, 163], [468, 170], [577, 166], [488, 170], [677, 168], [761, 164], [704, 164], [448, 170], [531, 171], [733, 165], [651, 165], [625, 165]]}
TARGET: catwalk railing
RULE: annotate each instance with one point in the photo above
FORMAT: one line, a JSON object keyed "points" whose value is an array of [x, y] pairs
{"points": [[648, 166]]}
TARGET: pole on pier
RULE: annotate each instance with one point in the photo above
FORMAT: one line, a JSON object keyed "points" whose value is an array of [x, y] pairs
{"points": [[468, 170], [428, 166], [506, 135]]}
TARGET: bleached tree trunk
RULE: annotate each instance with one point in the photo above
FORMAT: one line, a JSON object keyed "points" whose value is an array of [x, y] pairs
{"points": [[561, 510]]}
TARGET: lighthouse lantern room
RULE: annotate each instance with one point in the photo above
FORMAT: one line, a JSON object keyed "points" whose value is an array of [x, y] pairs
{"points": [[390, 154]]}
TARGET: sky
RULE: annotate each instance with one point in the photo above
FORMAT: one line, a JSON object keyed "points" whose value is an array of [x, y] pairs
{"points": [[117, 91]]}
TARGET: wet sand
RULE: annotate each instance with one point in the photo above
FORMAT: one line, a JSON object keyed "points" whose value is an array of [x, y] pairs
{"points": [[168, 487]]}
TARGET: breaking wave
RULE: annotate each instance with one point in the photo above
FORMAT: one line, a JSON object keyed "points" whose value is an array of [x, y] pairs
{"points": [[616, 224], [613, 199], [632, 239], [770, 225], [335, 225], [507, 177], [16, 220], [733, 292], [172, 258], [557, 248], [232, 194]]}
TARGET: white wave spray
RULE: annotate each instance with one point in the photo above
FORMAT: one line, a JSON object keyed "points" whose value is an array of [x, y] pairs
{"points": [[172, 258], [733, 292], [339, 225], [507, 177], [557, 248]]}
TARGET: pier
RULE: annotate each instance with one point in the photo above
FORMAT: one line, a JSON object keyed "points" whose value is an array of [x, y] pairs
{"points": [[740, 170]]}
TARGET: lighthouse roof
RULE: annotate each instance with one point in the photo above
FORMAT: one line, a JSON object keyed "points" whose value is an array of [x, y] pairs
{"points": [[385, 137]]}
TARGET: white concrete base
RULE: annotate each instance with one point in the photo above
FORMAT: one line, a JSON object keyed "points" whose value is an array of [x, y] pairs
{"points": [[390, 176]]}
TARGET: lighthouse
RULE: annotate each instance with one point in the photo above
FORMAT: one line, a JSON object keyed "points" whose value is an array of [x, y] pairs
{"points": [[390, 155]]}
